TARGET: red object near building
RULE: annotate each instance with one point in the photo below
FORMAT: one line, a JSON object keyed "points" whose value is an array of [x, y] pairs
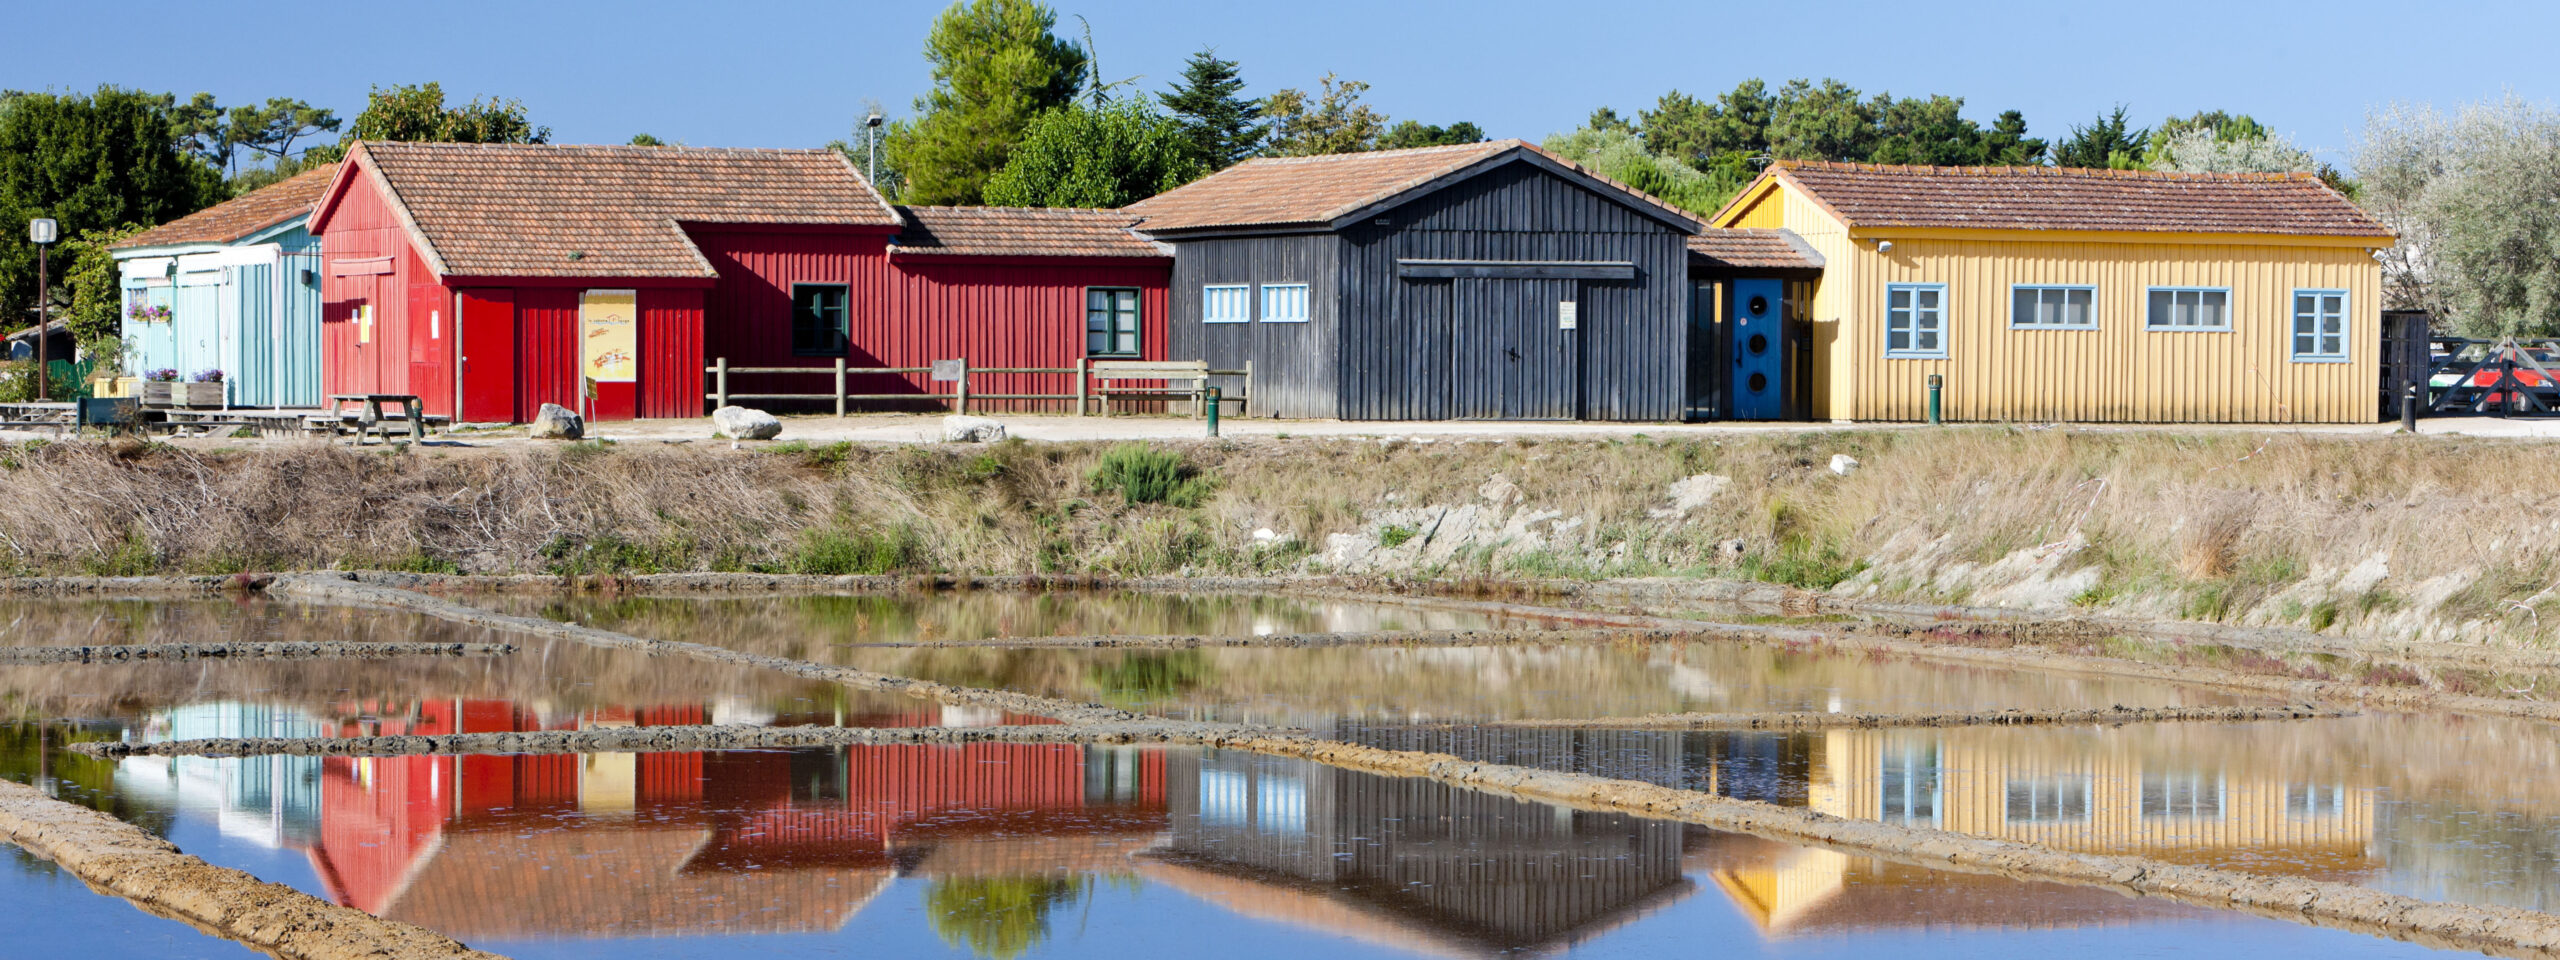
{"points": [[490, 279]]}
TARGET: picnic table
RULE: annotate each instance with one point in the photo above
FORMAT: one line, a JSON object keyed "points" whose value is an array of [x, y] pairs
{"points": [[370, 418]]}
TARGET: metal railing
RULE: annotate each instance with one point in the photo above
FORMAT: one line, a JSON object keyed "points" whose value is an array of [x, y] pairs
{"points": [[1092, 384]]}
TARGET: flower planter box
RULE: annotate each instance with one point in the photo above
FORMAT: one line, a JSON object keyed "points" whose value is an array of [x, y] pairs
{"points": [[163, 393]]}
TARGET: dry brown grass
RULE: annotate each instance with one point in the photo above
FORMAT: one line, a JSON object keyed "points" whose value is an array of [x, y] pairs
{"points": [[2228, 517]]}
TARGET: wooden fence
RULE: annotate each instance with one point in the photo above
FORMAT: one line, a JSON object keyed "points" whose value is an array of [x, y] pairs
{"points": [[956, 374]]}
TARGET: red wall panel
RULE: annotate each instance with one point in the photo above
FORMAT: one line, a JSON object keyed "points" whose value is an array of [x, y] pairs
{"points": [[671, 359], [546, 349], [1015, 312]]}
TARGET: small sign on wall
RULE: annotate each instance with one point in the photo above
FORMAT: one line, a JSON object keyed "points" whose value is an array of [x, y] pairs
{"points": [[609, 331], [1568, 315], [950, 371]]}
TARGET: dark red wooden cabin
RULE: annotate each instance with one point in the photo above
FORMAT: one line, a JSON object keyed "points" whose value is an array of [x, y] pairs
{"points": [[456, 272]]}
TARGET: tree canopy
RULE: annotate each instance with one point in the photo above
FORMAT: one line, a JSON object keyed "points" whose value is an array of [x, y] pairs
{"points": [[1414, 133], [2470, 195], [2110, 142], [1222, 125], [91, 162], [417, 113], [1110, 155], [997, 64], [1617, 153], [1334, 121], [219, 134]]}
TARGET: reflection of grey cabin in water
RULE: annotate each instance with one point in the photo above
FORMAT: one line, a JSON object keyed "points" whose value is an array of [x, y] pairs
{"points": [[1481, 281], [1409, 859]]}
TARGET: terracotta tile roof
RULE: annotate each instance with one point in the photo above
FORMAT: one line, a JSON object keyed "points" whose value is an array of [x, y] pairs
{"points": [[600, 880], [546, 210], [1753, 249], [1300, 191], [1020, 232], [242, 215], [2049, 198]]}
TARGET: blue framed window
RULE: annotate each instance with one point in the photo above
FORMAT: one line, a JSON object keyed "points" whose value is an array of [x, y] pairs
{"points": [[1284, 303], [2188, 308], [2053, 307], [1226, 303], [2186, 794], [2053, 799], [1907, 786], [2320, 326], [1915, 320]]}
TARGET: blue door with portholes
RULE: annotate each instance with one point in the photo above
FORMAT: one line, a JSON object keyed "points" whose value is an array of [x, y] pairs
{"points": [[1759, 350]]}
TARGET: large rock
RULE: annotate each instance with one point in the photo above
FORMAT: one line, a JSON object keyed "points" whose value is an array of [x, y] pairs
{"points": [[971, 430], [556, 422], [745, 423]]}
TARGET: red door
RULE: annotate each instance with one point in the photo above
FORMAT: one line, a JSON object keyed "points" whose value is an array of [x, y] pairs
{"points": [[488, 355], [430, 342]]}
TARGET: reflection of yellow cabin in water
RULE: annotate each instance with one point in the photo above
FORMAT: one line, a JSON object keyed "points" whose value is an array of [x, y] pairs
{"points": [[2098, 801], [2072, 799]]}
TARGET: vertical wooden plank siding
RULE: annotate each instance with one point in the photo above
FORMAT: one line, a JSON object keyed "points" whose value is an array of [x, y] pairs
{"points": [[1009, 312], [1295, 365], [1396, 334], [671, 358], [364, 227], [2120, 372], [546, 359], [1834, 366], [747, 312]]}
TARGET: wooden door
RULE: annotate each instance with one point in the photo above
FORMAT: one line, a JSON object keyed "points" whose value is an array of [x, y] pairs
{"points": [[430, 338], [487, 355], [1516, 349]]}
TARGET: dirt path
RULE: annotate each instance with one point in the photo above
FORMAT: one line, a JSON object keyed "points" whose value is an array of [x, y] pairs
{"points": [[118, 858], [1377, 638], [315, 650]]}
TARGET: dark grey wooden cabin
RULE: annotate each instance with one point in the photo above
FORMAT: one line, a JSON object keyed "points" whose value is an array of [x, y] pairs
{"points": [[1484, 281]]}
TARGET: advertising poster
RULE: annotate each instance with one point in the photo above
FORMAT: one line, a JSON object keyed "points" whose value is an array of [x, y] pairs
{"points": [[609, 335]]}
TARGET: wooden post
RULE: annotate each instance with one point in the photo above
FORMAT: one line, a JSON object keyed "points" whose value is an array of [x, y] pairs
{"points": [[720, 381], [963, 406], [1247, 407], [839, 386], [1084, 381]]}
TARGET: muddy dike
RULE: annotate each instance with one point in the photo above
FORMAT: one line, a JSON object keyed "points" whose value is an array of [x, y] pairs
{"points": [[1809, 720], [127, 653], [118, 858], [1368, 638]]}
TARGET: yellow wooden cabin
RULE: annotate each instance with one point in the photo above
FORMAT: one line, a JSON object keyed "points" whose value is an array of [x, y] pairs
{"points": [[2043, 294]]}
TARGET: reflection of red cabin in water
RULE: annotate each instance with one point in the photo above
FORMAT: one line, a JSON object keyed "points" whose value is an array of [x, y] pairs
{"points": [[745, 841]]}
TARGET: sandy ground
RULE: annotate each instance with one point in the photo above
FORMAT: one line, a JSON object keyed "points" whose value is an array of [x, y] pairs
{"points": [[927, 428]]}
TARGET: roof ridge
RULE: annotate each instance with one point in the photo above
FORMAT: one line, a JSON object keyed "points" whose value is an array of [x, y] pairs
{"points": [[1006, 209], [1497, 144], [565, 147], [2091, 173]]}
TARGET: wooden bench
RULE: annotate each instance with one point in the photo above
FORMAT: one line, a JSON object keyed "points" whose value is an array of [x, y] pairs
{"points": [[1195, 373]]}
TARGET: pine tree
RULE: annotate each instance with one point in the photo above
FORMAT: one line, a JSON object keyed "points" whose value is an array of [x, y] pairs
{"points": [[1222, 127], [996, 65]]}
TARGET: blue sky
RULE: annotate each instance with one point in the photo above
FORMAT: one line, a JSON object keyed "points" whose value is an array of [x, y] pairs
{"points": [[777, 73]]}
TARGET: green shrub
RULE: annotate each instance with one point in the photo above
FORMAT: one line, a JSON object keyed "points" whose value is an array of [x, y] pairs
{"points": [[1803, 563], [1393, 537], [1143, 474], [834, 552]]}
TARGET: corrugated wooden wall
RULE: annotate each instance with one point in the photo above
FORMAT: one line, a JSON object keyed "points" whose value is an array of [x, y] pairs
{"points": [[1396, 333], [747, 313], [2121, 371], [362, 227], [998, 313], [1295, 365], [671, 357]]}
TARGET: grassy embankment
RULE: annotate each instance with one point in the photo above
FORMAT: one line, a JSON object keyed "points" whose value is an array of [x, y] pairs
{"points": [[2221, 526]]}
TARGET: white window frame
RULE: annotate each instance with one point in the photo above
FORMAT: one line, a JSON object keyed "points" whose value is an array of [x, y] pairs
{"points": [[1243, 296], [2294, 332], [2055, 791], [1306, 306], [2152, 323], [1914, 351], [2019, 323]]}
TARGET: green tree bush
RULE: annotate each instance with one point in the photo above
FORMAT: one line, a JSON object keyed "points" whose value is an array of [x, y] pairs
{"points": [[91, 162], [996, 66], [1223, 126], [1112, 155]]}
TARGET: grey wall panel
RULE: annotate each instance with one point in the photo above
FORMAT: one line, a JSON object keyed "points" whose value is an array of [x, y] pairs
{"points": [[1294, 364]]}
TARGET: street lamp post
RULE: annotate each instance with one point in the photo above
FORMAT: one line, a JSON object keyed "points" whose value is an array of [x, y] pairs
{"points": [[43, 232], [871, 125]]}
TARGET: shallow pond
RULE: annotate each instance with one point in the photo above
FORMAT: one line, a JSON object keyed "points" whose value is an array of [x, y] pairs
{"points": [[1006, 851]]}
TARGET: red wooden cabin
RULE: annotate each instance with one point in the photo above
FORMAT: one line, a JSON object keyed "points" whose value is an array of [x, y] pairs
{"points": [[491, 279]]}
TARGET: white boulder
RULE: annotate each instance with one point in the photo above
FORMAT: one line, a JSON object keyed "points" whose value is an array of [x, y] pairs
{"points": [[1843, 464], [957, 429], [745, 423], [556, 422]]}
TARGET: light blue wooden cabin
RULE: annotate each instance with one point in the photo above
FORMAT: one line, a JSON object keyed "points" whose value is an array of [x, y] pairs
{"points": [[240, 281]]}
